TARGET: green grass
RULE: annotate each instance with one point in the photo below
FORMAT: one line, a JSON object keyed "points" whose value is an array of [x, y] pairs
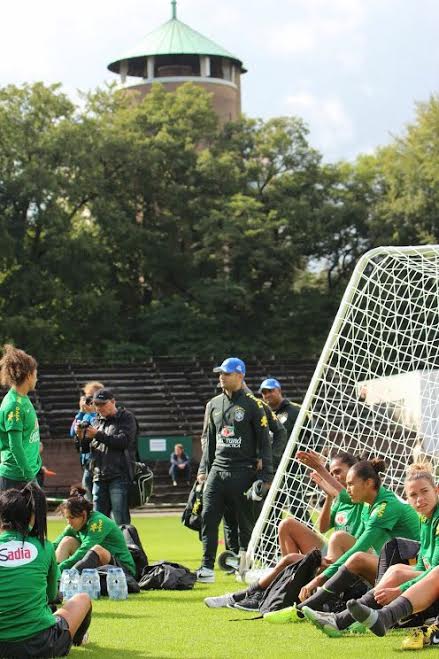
{"points": [[171, 624]]}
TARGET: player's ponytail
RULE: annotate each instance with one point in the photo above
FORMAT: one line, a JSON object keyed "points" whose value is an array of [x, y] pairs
{"points": [[24, 511], [370, 469]]}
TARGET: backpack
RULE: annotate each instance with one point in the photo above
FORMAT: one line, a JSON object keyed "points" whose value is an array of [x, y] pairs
{"points": [[191, 516], [285, 589], [167, 576], [135, 548]]}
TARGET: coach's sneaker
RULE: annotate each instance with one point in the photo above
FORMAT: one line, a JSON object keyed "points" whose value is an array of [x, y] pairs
{"points": [[205, 575], [220, 602], [284, 616], [421, 637]]}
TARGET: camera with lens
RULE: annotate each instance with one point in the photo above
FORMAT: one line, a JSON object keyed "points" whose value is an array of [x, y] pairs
{"points": [[88, 400]]}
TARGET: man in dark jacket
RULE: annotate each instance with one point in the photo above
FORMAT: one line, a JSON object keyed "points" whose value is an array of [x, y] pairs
{"points": [[286, 411], [113, 443], [237, 439]]}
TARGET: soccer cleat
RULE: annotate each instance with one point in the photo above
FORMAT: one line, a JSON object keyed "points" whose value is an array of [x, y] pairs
{"points": [[205, 575], [250, 603], [421, 637], [327, 623], [220, 602], [284, 616]]}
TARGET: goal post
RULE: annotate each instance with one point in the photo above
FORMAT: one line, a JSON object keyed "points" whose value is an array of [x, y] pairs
{"points": [[375, 389]]}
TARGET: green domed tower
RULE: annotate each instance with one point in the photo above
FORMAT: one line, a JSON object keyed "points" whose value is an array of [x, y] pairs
{"points": [[173, 54]]}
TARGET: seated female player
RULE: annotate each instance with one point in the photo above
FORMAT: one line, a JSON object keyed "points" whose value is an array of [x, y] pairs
{"points": [[422, 495], [28, 581], [90, 539], [296, 539], [385, 517]]}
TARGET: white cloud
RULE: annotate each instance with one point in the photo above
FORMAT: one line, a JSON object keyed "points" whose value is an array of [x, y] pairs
{"points": [[317, 24], [330, 124]]}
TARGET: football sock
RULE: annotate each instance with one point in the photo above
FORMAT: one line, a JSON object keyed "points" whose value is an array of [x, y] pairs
{"points": [[89, 561], [344, 618], [379, 621], [341, 581]]}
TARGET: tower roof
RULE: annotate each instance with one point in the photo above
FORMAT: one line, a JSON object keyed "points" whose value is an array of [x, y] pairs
{"points": [[174, 38]]}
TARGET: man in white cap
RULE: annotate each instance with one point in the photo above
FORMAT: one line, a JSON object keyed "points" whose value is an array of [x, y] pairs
{"points": [[237, 439]]}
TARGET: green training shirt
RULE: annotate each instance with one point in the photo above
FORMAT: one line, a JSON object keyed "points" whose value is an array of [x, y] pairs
{"points": [[388, 517], [345, 515], [28, 580], [428, 556], [19, 438], [98, 530]]}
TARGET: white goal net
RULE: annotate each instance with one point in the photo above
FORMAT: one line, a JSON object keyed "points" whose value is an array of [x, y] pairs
{"points": [[375, 390]]}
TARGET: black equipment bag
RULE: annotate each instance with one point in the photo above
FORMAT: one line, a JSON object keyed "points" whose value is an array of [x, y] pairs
{"points": [[135, 548], [191, 516], [141, 482], [285, 589], [167, 576]]}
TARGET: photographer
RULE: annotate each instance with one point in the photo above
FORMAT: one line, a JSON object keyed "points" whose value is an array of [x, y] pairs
{"points": [[112, 442], [84, 418]]}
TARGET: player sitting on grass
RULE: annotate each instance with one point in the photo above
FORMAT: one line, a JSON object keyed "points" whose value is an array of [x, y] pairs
{"points": [[90, 539], [296, 539], [28, 581], [421, 492], [384, 517]]}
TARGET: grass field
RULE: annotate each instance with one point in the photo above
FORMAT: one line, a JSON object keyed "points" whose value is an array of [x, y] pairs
{"points": [[172, 624]]}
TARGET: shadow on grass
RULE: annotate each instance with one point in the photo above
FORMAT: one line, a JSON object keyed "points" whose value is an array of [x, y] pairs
{"points": [[109, 653]]}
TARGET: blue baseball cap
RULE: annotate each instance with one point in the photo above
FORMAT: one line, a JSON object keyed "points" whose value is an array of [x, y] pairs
{"points": [[270, 383], [231, 365]]}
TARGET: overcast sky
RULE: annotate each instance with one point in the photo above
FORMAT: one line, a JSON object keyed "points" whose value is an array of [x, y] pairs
{"points": [[353, 69]]}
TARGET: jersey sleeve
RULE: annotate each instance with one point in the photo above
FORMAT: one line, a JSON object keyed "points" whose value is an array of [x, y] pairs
{"points": [[15, 441], [334, 510], [385, 515], [96, 534], [260, 426]]}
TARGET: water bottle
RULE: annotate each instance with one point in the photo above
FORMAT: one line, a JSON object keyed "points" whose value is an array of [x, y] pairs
{"points": [[70, 583], [117, 584], [90, 583]]}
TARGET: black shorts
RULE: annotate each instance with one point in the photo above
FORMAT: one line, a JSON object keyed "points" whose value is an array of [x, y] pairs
{"points": [[54, 641]]}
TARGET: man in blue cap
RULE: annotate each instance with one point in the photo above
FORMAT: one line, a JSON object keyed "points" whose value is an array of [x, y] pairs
{"points": [[237, 440], [286, 411]]}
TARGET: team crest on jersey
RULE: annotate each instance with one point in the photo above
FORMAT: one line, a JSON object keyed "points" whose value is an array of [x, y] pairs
{"points": [[282, 417], [379, 512], [15, 553], [239, 414], [341, 519]]}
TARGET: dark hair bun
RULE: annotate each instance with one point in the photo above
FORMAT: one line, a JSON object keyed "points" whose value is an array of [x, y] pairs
{"points": [[379, 465], [77, 492]]}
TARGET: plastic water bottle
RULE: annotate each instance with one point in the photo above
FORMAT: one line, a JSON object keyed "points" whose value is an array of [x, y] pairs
{"points": [[90, 583], [117, 584], [70, 583]]}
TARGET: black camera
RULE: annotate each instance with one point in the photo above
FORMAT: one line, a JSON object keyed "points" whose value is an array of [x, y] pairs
{"points": [[88, 400], [83, 424]]}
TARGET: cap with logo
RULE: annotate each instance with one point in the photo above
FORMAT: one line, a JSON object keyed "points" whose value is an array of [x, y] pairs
{"points": [[102, 396], [231, 365], [270, 383]]}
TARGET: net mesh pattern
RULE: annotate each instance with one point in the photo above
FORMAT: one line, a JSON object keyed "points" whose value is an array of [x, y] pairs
{"points": [[375, 391]]}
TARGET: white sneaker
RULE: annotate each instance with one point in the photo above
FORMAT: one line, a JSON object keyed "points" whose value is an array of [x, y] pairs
{"points": [[205, 575], [222, 601]]}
